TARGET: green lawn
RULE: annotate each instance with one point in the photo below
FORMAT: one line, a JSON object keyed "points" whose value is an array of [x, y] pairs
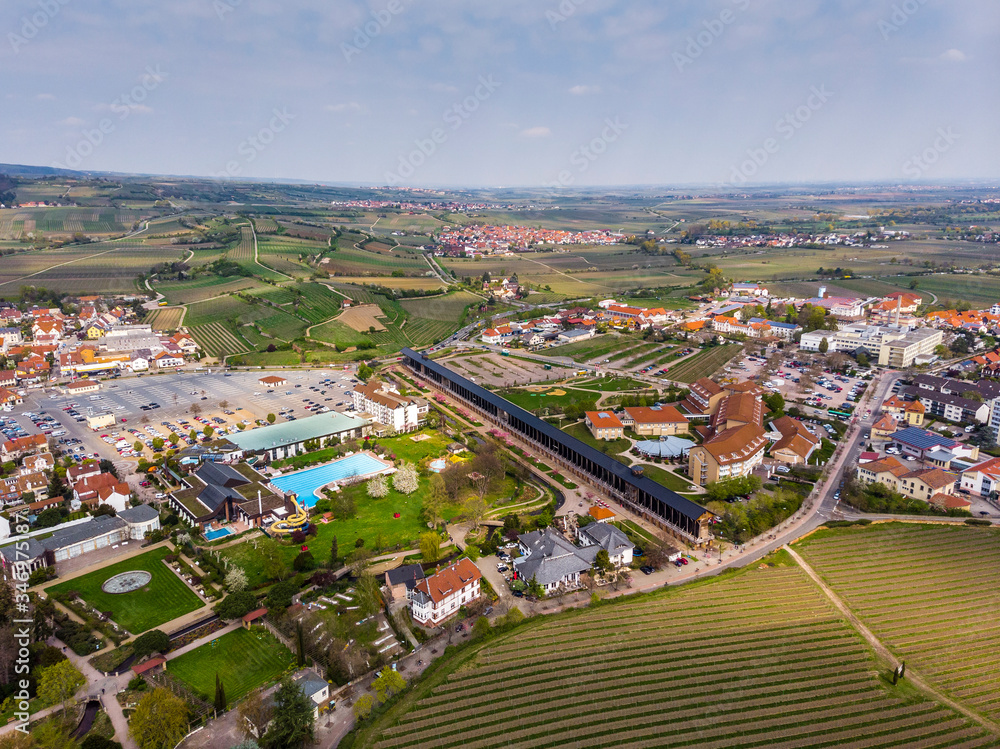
{"points": [[244, 660], [609, 447], [164, 599], [666, 478]]}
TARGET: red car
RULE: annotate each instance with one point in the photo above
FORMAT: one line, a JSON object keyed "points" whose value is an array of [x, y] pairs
{"points": [[684, 560], [124, 421]]}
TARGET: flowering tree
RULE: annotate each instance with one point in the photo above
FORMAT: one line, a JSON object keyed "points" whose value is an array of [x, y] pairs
{"points": [[378, 487], [404, 480], [236, 580]]}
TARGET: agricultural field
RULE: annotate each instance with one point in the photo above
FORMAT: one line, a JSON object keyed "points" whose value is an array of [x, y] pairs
{"points": [[265, 225], [703, 364], [758, 658], [364, 317], [420, 283], [288, 254], [110, 267], [218, 340], [450, 307], [204, 287], [165, 318], [599, 347], [163, 600], [926, 591], [348, 260], [243, 659]]}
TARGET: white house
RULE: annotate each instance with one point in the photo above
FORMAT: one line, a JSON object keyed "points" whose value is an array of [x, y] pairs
{"points": [[165, 360], [610, 539], [387, 406], [438, 597]]}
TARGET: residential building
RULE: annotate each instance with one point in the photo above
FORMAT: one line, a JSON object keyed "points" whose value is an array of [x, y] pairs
{"points": [[401, 580], [435, 599], [982, 479], [884, 428], [604, 425], [796, 444], [916, 347], [917, 442], [885, 471], [948, 406], [608, 538], [385, 405], [924, 483], [730, 453], [552, 561], [703, 398], [654, 421], [738, 409], [15, 448]]}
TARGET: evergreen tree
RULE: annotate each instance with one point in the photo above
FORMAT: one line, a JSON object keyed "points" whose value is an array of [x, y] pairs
{"points": [[300, 645], [293, 723], [334, 553], [220, 694]]}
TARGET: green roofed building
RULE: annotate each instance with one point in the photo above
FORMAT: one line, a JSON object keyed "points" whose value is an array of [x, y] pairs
{"points": [[284, 440]]}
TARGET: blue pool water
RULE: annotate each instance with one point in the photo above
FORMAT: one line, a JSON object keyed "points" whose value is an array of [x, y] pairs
{"points": [[305, 483], [212, 535]]}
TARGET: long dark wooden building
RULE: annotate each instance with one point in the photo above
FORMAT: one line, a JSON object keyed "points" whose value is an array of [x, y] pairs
{"points": [[644, 496]]}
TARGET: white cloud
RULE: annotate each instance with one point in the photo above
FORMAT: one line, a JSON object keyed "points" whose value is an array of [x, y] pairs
{"points": [[584, 90], [444, 88], [72, 122], [347, 106], [953, 55], [45, 97], [536, 132]]}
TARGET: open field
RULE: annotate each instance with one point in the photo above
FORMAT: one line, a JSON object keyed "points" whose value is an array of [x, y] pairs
{"points": [[163, 600], [420, 283], [348, 260], [218, 340], [165, 318], [602, 346], [243, 659], [204, 287], [362, 318], [928, 592], [704, 363], [758, 658], [450, 307]]}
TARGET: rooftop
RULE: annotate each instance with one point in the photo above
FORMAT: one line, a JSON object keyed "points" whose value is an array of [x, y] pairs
{"points": [[292, 432]]}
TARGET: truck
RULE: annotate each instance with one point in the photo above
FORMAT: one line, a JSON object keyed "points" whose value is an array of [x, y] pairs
{"points": [[505, 353], [547, 366]]}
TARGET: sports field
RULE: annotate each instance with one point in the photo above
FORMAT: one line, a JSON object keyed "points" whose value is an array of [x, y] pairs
{"points": [[929, 593], [757, 659], [163, 600], [704, 363], [243, 659]]}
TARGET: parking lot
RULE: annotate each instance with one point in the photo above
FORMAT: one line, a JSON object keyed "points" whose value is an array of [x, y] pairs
{"points": [[185, 401]]}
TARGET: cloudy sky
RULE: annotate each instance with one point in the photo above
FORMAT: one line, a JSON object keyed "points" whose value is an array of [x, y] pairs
{"points": [[520, 92]]}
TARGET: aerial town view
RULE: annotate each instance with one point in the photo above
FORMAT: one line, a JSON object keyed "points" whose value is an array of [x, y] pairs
{"points": [[543, 374]]}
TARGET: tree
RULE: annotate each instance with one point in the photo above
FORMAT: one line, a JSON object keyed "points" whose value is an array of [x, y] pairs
{"points": [[602, 561], [195, 409], [157, 443], [58, 683], [160, 720], [300, 645], [255, 713], [220, 694], [432, 509], [481, 628], [271, 418], [388, 684], [236, 605], [535, 588], [824, 345], [137, 446], [334, 553], [209, 431], [365, 372], [279, 597], [369, 597], [48, 518], [475, 510], [862, 358], [405, 479], [153, 641], [358, 559], [272, 562], [304, 562], [57, 487], [775, 402], [293, 721], [363, 707], [378, 487], [430, 546], [236, 580]]}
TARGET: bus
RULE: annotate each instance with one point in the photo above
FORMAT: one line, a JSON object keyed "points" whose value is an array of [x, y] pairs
{"points": [[840, 414]]}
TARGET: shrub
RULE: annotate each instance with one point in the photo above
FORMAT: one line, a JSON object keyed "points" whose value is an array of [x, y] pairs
{"points": [[304, 562], [236, 605], [153, 641]]}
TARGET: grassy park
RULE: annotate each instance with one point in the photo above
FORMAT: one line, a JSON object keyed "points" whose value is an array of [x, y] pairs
{"points": [[243, 659], [163, 600]]}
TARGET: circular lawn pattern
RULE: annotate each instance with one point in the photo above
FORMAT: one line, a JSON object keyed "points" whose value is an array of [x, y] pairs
{"points": [[126, 582]]}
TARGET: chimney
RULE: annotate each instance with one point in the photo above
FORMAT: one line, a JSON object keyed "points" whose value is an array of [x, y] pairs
{"points": [[822, 292]]}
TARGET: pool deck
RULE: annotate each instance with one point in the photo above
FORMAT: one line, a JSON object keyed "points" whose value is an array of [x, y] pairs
{"points": [[387, 469]]}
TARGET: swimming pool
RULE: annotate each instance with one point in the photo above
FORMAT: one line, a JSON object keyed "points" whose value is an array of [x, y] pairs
{"points": [[212, 535], [305, 483]]}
